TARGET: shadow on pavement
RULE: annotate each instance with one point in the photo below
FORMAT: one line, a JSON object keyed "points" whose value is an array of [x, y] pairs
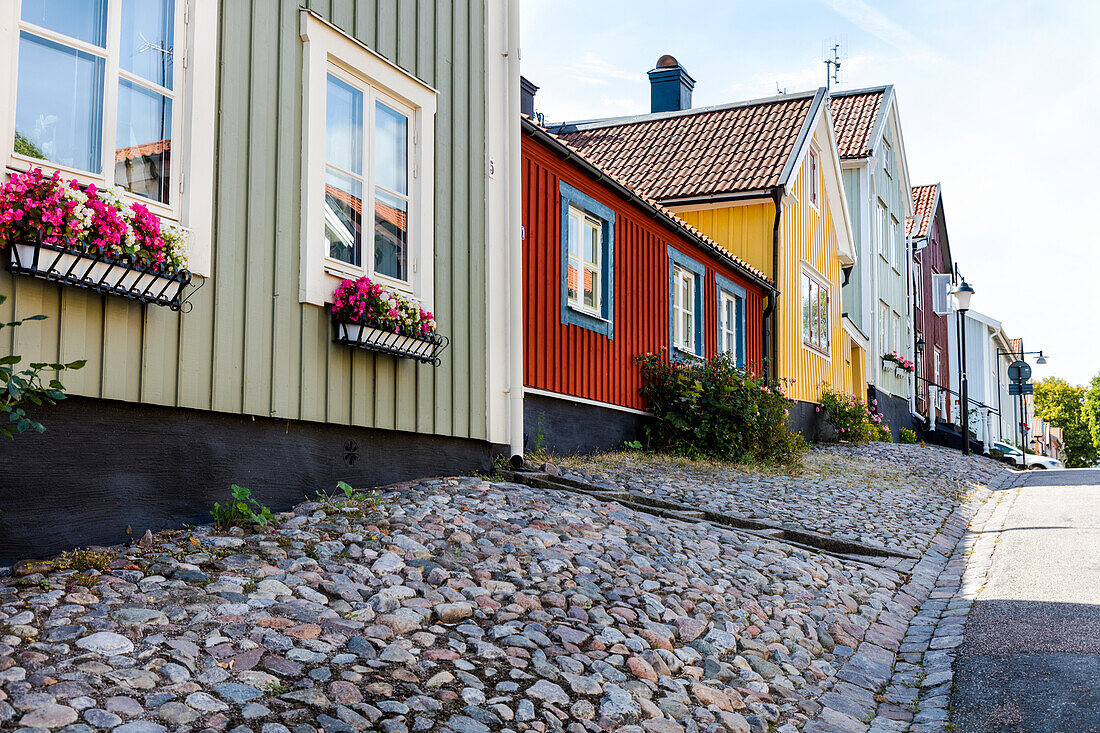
{"points": [[1028, 667]]}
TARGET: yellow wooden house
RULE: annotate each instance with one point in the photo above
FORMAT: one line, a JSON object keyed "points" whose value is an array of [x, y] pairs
{"points": [[763, 179]]}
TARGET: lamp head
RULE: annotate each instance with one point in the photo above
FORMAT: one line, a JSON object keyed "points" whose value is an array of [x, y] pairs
{"points": [[920, 346], [1042, 359], [963, 292]]}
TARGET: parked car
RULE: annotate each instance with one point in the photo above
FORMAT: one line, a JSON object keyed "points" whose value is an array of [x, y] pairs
{"points": [[1031, 461]]}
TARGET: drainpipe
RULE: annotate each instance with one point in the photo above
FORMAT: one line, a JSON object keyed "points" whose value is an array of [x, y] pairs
{"points": [[771, 313], [515, 239]]}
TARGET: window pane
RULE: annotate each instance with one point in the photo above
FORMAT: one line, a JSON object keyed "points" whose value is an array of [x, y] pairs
{"points": [[591, 288], [84, 20], [59, 105], [571, 281], [592, 242], [574, 237], [806, 331], [391, 235], [814, 313], [343, 217], [344, 126], [144, 141], [147, 42], [391, 149]]}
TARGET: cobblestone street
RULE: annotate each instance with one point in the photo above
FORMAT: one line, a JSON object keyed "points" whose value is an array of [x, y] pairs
{"points": [[472, 605]]}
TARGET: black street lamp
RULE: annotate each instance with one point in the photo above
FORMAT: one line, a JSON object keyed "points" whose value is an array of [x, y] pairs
{"points": [[963, 293]]}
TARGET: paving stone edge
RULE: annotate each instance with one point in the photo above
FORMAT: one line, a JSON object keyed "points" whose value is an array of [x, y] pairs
{"points": [[899, 678]]}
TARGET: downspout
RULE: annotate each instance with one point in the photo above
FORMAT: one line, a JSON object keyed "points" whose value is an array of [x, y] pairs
{"points": [[771, 313], [515, 239]]}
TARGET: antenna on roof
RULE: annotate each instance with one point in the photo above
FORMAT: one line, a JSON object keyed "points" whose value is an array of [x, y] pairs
{"points": [[834, 54], [779, 89]]}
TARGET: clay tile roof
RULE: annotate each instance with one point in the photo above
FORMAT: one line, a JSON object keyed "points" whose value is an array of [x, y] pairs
{"points": [[854, 118], [924, 210], [1016, 345], [700, 152], [140, 151], [701, 240]]}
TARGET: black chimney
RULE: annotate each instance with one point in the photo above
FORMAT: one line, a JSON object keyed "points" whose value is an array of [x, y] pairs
{"points": [[669, 86], [527, 97]]}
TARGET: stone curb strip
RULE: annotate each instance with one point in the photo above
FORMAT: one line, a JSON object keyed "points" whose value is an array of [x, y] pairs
{"points": [[899, 678]]}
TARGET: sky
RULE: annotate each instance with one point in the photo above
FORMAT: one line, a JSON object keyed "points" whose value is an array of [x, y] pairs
{"points": [[999, 102]]}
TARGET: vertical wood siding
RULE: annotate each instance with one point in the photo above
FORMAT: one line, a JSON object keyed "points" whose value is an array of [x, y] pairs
{"points": [[807, 236], [571, 360], [890, 281], [932, 328], [745, 230], [248, 346]]}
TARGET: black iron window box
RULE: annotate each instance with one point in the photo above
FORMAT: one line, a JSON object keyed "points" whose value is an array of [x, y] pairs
{"points": [[423, 349], [79, 267]]}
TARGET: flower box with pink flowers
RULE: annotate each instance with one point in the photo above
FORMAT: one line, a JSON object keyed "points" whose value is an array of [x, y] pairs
{"points": [[900, 363], [370, 316], [91, 238]]}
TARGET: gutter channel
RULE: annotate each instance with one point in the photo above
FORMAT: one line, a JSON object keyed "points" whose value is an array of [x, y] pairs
{"points": [[791, 535]]}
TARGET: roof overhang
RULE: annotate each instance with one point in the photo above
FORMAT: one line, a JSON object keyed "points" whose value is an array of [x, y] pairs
{"points": [[819, 124], [858, 338]]}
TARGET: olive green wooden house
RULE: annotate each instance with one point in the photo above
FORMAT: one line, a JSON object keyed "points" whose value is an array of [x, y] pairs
{"points": [[253, 125]]}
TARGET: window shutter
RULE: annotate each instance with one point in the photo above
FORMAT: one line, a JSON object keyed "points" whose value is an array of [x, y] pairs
{"points": [[941, 292]]}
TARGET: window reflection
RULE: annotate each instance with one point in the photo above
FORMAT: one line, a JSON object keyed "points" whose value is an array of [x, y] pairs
{"points": [[144, 140], [148, 39], [59, 104]]}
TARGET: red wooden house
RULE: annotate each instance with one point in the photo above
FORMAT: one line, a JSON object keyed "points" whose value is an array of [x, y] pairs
{"points": [[931, 284], [609, 275]]}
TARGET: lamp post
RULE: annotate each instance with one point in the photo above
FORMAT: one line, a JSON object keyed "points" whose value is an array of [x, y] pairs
{"points": [[963, 292], [918, 366]]}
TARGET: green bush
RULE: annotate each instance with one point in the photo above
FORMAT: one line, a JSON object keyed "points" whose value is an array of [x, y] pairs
{"points": [[711, 408], [881, 433], [905, 435], [242, 511], [851, 418], [18, 388]]}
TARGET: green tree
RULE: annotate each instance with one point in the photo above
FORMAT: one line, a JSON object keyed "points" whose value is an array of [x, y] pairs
{"points": [[1092, 410], [1063, 406]]}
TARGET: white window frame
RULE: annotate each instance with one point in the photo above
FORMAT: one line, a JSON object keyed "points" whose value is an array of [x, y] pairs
{"points": [[813, 177], [583, 266], [682, 275], [727, 329], [892, 243], [810, 282], [883, 326], [327, 49], [896, 327], [191, 203], [881, 213]]}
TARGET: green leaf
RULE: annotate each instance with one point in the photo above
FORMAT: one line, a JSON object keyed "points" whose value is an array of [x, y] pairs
{"points": [[13, 359], [78, 364]]}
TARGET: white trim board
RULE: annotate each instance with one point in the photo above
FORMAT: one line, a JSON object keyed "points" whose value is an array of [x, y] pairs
{"points": [[584, 401]]}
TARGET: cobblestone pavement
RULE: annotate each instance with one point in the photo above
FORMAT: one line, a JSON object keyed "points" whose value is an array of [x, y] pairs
{"points": [[465, 605], [885, 495]]}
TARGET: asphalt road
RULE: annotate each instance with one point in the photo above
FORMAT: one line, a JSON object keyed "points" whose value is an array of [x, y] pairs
{"points": [[1031, 659]]}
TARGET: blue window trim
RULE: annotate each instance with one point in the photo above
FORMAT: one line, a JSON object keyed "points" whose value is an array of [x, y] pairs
{"points": [[724, 285], [603, 325], [676, 257]]}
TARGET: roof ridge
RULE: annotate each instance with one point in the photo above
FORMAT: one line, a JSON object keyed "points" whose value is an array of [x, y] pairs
{"points": [[596, 123], [862, 90]]}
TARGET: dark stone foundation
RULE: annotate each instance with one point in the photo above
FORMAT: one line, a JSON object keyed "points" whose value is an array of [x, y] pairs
{"points": [[565, 427], [102, 466]]}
